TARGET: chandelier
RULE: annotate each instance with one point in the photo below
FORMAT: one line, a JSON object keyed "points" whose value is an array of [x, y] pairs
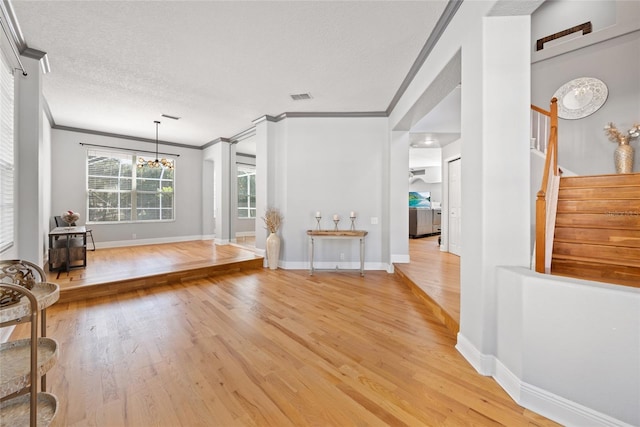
{"points": [[155, 163]]}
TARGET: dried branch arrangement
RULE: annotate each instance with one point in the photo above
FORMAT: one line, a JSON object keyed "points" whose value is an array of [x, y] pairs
{"points": [[272, 219], [620, 137]]}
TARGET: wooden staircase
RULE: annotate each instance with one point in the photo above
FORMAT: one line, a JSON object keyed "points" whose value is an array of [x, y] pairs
{"points": [[597, 229]]}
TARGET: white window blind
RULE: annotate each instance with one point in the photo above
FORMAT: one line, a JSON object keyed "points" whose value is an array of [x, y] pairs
{"points": [[7, 193]]}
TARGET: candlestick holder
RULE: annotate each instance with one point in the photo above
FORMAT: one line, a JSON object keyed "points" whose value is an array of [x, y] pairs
{"points": [[336, 221], [318, 218], [353, 223]]}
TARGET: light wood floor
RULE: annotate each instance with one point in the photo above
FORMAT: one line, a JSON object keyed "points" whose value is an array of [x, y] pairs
{"points": [[434, 276], [113, 264], [267, 348]]}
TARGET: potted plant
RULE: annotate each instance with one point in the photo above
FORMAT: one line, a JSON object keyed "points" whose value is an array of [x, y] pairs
{"points": [[272, 219]]}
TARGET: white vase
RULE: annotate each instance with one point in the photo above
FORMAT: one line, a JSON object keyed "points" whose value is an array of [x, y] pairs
{"points": [[273, 250]]}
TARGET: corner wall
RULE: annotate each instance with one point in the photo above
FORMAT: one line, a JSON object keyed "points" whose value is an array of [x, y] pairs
{"points": [[335, 166]]}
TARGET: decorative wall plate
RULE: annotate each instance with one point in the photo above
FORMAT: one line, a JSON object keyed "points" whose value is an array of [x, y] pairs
{"points": [[581, 97]]}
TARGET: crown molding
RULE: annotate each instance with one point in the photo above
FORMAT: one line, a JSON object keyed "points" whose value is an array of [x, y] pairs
{"points": [[240, 136], [214, 142], [446, 17], [120, 136]]}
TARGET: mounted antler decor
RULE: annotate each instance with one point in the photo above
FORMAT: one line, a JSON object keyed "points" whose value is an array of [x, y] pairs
{"points": [[623, 156]]}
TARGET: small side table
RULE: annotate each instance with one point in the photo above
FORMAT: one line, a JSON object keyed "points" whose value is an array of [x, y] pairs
{"points": [[329, 234], [66, 245]]}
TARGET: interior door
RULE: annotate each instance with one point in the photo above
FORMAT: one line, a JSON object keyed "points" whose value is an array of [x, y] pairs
{"points": [[455, 207]]}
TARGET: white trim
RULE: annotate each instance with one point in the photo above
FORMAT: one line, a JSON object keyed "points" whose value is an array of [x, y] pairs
{"points": [[507, 380], [480, 362], [400, 258], [563, 410], [246, 233], [140, 242], [548, 404], [331, 266]]}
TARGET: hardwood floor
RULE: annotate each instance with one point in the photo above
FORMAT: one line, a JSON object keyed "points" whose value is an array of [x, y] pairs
{"points": [[115, 270], [267, 348], [434, 277]]}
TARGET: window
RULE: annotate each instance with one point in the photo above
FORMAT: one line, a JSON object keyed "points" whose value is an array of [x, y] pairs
{"points": [[121, 192], [7, 201], [246, 192]]}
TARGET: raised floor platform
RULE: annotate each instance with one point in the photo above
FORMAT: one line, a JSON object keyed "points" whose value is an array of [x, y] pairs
{"points": [[115, 270]]}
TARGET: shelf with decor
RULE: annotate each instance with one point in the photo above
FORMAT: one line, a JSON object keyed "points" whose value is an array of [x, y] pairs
{"points": [[22, 300]]}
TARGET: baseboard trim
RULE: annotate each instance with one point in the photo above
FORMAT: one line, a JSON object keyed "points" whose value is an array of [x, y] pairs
{"points": [[545, 403], [245, 234], [154, 241], [480, 362], [400, 259], [341, 266]]}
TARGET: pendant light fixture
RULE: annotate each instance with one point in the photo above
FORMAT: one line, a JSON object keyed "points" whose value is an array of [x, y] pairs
{"points": [[155, 163]]}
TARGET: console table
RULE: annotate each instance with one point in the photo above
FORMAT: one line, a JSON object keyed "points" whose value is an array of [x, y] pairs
{"points": [[340, 234], [67, 245]]}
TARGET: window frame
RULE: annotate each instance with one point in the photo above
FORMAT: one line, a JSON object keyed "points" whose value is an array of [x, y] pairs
{"points": [[134, 192], [246, 171]]}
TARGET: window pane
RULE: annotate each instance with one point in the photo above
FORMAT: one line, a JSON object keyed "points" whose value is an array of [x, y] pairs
{"points": [[114, 181], [148, 200], [148, 214], [167, 213], [243, 213], [147, 185], [166, 199]]}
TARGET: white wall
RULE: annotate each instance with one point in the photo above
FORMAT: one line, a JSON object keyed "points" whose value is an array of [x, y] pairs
{"points": [[331, 165], [583, 145], [69, 183], [495, 198], [561, 340]]}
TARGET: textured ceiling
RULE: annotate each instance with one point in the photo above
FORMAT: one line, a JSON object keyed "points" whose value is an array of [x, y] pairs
{"points": [[116, 66]]}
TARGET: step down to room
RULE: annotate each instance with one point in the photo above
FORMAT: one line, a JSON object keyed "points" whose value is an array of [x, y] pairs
{"points": [[117, 286]]}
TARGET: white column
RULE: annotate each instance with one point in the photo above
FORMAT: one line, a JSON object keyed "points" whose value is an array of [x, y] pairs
{"points": [[266, 176], [399, 197], [29, 160], [495, 176], [221, 156]]}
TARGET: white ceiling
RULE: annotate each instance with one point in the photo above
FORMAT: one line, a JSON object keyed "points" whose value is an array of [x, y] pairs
{"points": [[116, 66]]}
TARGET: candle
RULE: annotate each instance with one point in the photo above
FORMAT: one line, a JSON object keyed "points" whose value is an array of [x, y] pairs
{"points": [[318, 215], [336, 218], [352, 214]]}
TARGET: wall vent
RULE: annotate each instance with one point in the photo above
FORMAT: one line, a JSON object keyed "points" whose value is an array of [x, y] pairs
{"points": [[300, 96]]}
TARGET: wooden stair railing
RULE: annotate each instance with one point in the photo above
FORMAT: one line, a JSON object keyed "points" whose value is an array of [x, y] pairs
{"points": [[546, 200]]}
